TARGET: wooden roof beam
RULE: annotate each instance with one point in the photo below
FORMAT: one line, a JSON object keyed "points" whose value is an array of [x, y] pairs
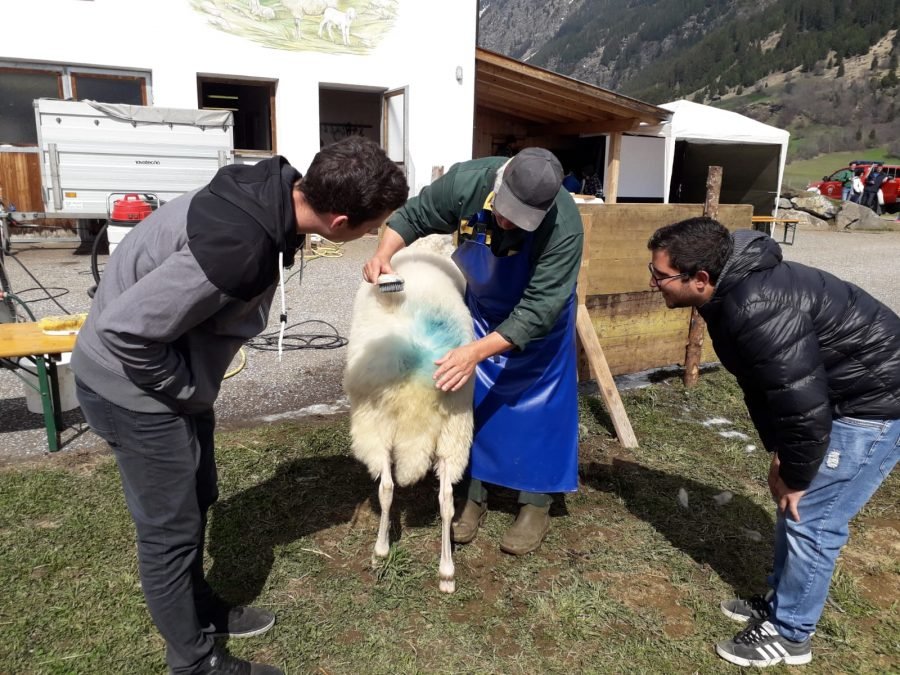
{"points": [[526, 116], [491, 59], [548, 97], [521, 75], [607, 126]]}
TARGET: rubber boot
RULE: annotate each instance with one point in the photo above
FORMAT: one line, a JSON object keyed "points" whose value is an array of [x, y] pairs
{"points": [[529, 530], [465, 525]]}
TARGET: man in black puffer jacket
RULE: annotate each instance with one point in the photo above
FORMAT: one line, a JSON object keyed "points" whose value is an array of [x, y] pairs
{"points": [[818, 360]]}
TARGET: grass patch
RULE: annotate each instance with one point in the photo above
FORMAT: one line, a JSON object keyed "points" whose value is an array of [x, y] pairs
{"points": [[800, 173], [627, 578]]}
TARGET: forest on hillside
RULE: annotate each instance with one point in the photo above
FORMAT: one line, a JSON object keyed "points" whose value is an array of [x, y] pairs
{"points": [[808, 66], [806, 32]]}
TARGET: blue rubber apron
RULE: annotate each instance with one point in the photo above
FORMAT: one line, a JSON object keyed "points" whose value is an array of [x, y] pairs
{"points": [[526, 405]]}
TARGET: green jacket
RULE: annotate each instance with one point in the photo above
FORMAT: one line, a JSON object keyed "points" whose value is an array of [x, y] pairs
{"points": [[846, 178], [555, 254]]}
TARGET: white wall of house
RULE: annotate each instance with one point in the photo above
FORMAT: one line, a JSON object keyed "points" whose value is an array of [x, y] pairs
{"points": [[174, 42]]}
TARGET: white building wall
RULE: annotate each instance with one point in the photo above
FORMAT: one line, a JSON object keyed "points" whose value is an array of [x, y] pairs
{"points": [[175, 43]]}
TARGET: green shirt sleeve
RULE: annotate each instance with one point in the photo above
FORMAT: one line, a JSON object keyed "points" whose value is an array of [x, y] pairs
{"points": [[438, 207]]}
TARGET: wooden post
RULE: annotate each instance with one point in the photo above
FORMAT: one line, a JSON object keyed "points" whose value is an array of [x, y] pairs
{"points": [[591, 360], [698, 325], [587, 220], [611, 178]]}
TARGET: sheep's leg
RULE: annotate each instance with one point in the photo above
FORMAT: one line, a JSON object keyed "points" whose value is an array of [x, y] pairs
{"points": [[385, 497], [297, 20], [445, 498]]}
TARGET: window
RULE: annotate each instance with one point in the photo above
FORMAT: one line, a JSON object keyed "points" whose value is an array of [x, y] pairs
{"points": [[22, 83], [18, 89], [253, 105], [109, 88]]}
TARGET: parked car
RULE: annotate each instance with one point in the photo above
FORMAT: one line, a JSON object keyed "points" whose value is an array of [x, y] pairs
{"points": [[830, 186]]}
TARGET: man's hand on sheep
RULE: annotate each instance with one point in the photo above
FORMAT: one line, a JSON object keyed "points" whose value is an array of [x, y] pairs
{"points": [[380, 263], [456, 366], [375, 267]]}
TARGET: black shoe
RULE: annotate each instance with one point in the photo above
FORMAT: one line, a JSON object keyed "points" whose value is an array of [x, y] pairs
{"points": [[760, 645], [238, 622], [220, 662], [756, 608]]}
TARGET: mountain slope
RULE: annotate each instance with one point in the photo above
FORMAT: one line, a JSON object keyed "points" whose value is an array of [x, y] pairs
{"points": [[825, 69]]}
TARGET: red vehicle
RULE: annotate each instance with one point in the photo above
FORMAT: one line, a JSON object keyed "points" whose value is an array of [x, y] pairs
{"points": [[831, 186]]}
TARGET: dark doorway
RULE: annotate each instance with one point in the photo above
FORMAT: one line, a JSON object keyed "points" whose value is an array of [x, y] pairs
{"points": [[253, 105]]}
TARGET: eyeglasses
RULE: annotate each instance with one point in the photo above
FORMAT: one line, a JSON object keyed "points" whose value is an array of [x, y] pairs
{"points": [[658, 280]]}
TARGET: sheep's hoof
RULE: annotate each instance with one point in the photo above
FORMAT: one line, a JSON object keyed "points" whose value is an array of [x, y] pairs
{"points": [[381, 552], [447, 585]]}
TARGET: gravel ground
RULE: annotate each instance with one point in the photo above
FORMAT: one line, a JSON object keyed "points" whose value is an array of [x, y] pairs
{"points": [[305, 382], [308, 382]]}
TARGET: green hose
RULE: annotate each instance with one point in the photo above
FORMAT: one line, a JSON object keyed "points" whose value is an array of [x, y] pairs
{"points": [[21, 302]]}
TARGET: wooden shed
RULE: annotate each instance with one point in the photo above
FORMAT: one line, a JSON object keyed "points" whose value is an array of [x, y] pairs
{"points": [[517, 105]]}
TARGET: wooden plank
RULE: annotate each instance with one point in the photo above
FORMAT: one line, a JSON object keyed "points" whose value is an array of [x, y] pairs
{"points": [[638, 332], [595, 126], [20, 180], [588, 337], [584, 371], [618, 246], [27, 339]]}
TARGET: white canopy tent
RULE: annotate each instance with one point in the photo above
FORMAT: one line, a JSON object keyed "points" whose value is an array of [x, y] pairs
{"points": [[665, 162]]}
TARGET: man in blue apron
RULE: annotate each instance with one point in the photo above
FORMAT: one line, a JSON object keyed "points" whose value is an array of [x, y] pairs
{"points": [[519, 237]]}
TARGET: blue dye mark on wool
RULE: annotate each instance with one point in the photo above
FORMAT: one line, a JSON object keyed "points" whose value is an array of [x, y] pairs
{"points": [[434, 333]]}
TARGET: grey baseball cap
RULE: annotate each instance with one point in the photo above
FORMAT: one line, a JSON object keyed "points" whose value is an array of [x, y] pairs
{"points": [[530, 183]]}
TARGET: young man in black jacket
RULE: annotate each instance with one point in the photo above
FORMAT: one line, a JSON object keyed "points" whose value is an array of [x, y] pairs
{"points": [[818, 360], [186, 288]]}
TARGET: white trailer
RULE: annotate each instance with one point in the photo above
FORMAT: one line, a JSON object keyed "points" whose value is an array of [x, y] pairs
{"points": [[90, 150]]}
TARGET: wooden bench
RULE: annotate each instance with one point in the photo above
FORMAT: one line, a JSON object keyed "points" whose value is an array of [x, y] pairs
{"points": [[767, 224], [27, 339]]}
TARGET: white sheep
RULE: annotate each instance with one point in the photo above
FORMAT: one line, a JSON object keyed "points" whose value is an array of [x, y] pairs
{"points": [[398, 417], [335, 17], [301, 8], [260, 11]]}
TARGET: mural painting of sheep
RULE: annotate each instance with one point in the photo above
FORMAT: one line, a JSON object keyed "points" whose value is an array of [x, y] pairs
{"points": [[334, 18], [401, 425], [301, 8]]}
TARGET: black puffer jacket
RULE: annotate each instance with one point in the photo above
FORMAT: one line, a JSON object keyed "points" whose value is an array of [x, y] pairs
{"points": [[806, 347]]}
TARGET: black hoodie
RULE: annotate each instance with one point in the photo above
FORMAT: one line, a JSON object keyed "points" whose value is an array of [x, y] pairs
{"points": [[806, 347], [186, 288]]}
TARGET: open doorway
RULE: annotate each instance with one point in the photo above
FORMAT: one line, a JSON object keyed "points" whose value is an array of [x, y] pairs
{"points": [[378, 114], [344, 112], [253, 105]]}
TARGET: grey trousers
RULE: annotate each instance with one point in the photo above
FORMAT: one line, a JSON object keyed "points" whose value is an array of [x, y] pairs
{"points": [[474, 489], [168, 471]]}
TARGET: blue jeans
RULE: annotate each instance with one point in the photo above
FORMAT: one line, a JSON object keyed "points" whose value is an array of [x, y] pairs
{"points": [[860, 456], [845, 193]]}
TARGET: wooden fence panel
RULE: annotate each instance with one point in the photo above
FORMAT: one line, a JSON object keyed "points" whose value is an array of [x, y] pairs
{"points": [[20, 180], [635, 328]]}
